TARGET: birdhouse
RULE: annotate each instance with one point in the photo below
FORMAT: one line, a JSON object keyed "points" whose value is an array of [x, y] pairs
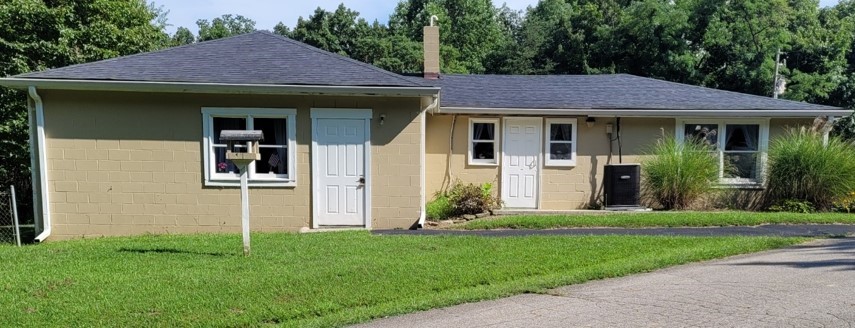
{"points": [[242, 145], [242, 149]]}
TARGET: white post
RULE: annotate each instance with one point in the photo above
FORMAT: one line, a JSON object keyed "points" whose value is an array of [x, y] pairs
{"points": [[244, 207], [15, 217]]}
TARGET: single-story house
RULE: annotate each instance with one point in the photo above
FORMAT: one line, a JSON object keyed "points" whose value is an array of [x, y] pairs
{"points": [[131, 145]]}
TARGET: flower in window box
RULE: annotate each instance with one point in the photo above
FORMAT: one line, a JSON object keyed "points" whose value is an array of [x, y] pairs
{"points": [[222, 166]]}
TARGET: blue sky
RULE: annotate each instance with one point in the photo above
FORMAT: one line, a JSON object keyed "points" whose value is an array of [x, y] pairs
{"points": [[267, 13]]}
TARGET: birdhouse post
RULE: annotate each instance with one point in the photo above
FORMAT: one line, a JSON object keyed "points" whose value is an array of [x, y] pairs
{"points": [[242, 150]]}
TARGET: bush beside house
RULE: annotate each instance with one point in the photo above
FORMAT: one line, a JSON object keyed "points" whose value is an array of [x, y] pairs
{"points": [[462, 199], [805, 173], [677, 174]]}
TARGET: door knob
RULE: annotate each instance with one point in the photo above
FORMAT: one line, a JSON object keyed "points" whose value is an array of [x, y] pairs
{"points": [[361, 180]]}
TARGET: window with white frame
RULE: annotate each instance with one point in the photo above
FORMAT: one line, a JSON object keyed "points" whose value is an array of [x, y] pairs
{"points": [[483, 136], [739, 146], [560, 142], [277, 163]]}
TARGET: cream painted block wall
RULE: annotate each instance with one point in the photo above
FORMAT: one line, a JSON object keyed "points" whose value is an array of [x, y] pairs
{"points": [[437, 155], [562, 188], [131, 163]]}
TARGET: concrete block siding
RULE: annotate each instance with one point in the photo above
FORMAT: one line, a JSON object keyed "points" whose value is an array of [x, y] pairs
{"points": [[131, 163], [561, 188]]}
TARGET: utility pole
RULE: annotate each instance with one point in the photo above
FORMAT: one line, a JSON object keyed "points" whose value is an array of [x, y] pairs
{"points": [[777, 87]]}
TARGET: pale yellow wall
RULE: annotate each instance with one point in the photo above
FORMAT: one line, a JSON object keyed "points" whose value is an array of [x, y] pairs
{"points": [[130, 163], [437, 155], [562, 188], [565, 188], [780, 126]]}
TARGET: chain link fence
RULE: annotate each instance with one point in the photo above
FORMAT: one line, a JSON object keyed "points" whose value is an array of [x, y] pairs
{"points": [[10, 231]]}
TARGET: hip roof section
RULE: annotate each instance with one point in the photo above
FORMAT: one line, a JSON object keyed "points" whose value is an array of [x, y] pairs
{"points": [[260, 58], [612, 91]]}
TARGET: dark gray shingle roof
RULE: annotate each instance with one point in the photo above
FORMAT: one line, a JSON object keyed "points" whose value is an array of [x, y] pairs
{"points": [[613, 91], [253, 58]]}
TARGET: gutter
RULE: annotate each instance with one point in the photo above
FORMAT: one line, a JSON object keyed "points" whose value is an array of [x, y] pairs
{"points": [[214, 88], [42, 159], [665, 113]]}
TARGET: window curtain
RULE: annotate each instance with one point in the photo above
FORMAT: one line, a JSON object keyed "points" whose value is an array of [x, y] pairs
{"points": [[561, 132], [748, 135], [483, 131], [281, 139]]}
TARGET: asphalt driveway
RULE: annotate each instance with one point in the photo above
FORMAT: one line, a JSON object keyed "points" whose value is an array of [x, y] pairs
{"points": [[773, 230], [809, 285]]}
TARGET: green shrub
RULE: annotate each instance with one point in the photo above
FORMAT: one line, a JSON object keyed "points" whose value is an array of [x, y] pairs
{"points": [[472, 199], [845, 204], [676, 174], [439, 208], [793, 206], [801, 167]]}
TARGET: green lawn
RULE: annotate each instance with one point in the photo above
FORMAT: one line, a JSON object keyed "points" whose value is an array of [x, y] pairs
{"points": [[321, 279], [655, 219]]}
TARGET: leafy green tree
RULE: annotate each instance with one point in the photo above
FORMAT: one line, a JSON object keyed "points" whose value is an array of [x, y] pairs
{"points": [[181, 37], [650, 40], [37, 35], [844, 94], [339, 31], [282, 29], [344, 32], [471, 30], [224, 26]]}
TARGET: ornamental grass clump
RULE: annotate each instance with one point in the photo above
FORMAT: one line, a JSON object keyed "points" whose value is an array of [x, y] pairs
{"points": [[678, 173], [803, 167]]}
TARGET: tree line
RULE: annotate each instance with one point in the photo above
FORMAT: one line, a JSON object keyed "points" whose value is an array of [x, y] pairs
{"points": [[728, 45]]}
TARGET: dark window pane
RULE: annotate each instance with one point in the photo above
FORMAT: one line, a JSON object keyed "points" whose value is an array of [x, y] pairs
{"points": [[227, 123], [483, 150], [703, 133], [740, 165], [273, 160], [273, 130], [483, 131], [742, 137], [560, 151], [561, 132]]}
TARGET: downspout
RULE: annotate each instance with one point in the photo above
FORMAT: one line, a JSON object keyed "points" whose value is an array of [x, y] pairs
{"points": [[423, 161], [34, 175], [42, 158]]}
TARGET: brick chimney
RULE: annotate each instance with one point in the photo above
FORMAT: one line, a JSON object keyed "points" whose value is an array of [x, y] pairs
{"points": [[431, 49]]}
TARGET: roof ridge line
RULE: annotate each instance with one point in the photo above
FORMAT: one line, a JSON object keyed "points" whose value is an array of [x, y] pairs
{"points": [[340, 57]]}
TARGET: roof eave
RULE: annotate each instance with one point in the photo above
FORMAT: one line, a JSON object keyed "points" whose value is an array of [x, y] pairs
{"points": [[595, 112], [216, 88]]}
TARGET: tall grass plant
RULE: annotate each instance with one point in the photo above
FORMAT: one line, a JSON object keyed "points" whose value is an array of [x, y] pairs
{"points": [[678, 173], [803, 167]]}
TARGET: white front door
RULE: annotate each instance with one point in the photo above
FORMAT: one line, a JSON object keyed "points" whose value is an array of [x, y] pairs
{"points": [[340, 189], [521, 161]]}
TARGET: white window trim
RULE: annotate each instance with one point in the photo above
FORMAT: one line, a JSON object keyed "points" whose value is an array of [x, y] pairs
{"points": [[213, 179], [762, 147], [484, 162], [547, 133]]}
